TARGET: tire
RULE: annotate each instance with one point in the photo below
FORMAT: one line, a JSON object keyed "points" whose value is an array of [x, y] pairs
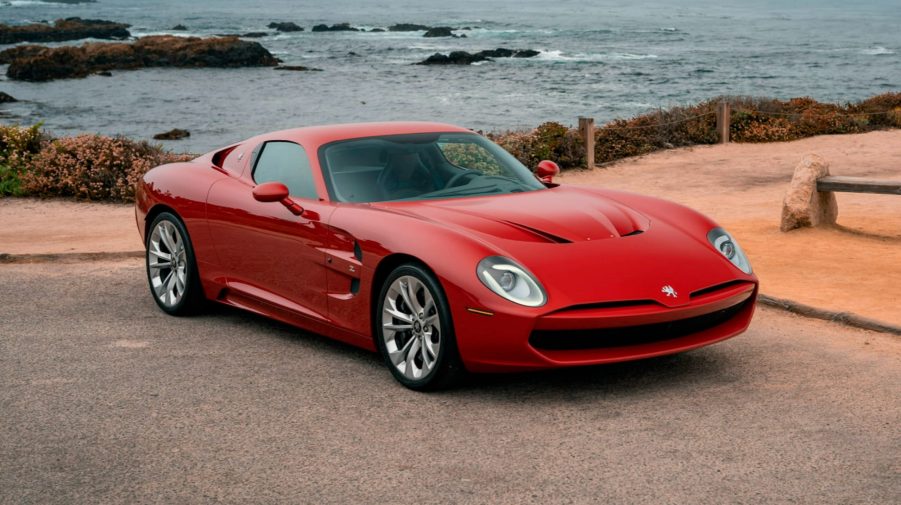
{"points": [[419, 348], [177, 291]]}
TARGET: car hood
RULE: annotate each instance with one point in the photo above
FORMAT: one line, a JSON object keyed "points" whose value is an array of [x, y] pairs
{"points": [[586, 247], [559, 216]]}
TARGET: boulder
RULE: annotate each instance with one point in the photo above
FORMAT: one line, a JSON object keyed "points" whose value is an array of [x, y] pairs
{"points": [[454, 58], [179, 28], [64, 29], [340, 27], [4, 98], [156, 51], [439, 31], [377, 30], [464, 58], [407, 27], [255, 35], [285, 27], [803, 205], [498, 53], [174, 134]]}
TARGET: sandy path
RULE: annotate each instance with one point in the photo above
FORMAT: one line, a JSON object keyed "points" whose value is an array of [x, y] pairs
{"points": [[856, 267], [33, 226]]}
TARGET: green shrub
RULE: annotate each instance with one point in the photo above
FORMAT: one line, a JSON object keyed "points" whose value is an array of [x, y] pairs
{"points": [[18, 144]]}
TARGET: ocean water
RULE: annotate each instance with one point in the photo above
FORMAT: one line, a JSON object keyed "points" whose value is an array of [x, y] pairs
{"points": [[602, 58]]}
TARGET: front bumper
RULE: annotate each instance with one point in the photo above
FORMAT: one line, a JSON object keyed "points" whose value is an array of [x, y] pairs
{"points": [[520, 339]]}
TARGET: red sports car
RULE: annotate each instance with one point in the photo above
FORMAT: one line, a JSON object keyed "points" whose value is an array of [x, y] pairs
{"points": [[437, 248]]}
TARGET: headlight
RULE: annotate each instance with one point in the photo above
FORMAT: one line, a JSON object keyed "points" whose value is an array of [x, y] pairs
{"points": [[508, 279], [728, 247]]}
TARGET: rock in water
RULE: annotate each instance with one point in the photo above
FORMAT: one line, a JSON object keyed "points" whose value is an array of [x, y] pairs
{"points": [[454, 58], [407, 27], [174, 134], [179, 28], [803, 205], [464, 58], [439, 31], [62, 30], [340, 27], [157, 51], [26, 51], [4, 98], [285, 27]]}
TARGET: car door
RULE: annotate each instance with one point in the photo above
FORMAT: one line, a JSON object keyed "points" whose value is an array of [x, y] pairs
{"points": [[270, 255]]}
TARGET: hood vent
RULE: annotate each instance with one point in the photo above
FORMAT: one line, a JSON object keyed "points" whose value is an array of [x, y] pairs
{"points": [[541, 234]]}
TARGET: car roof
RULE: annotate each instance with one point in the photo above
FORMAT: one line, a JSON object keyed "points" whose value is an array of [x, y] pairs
{"points": [[319, 135]]}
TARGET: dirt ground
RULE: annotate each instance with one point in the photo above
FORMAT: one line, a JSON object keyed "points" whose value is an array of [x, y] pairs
{"points": [[855, 267]]}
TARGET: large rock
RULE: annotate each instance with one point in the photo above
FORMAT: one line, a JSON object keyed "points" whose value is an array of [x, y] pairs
{"points": [[340, 27], [803, 205], [62, 30], [4, 98], [454, 58], [173, 134], [407, 27], [13, 53], [464, 58], [439, 31], [157, 51], [287, 26]]}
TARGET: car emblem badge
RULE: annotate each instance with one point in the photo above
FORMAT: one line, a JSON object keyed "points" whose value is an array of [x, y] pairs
{"points": [[669, 291]]}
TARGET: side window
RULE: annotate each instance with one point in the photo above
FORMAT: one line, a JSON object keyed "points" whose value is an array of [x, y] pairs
{"points": [[286, 162]]}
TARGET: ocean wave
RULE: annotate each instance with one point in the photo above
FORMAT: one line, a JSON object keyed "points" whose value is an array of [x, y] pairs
{"points": [[877, 51], [557, 55]]}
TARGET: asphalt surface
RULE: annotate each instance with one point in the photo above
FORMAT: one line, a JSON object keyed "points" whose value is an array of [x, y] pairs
{"points": [[104, 399]]}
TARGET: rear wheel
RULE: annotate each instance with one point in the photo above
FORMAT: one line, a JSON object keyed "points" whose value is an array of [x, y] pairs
{"points": [[171, 267], [414, 331]]}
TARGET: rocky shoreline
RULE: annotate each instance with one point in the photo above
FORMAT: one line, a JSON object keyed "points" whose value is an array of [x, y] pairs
{"points": [[64, 29], [39, 63]]}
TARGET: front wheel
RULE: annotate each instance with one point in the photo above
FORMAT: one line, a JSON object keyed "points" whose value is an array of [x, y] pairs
{"points": [[171, 267], [414, 331]]}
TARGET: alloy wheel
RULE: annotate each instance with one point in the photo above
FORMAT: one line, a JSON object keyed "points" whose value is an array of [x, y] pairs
{"points": [[411, 327]]}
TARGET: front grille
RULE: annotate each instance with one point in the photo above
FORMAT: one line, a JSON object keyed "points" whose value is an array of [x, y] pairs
{"points": [[600, 338]]}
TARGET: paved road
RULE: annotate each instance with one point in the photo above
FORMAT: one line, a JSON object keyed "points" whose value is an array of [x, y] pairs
{"points": [[105, 399]]}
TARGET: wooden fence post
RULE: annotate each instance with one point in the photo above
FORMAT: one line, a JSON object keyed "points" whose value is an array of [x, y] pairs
{"points": [[723, 120], [586, 128]]}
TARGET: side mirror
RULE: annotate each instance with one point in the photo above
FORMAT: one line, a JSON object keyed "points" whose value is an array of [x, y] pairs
{"points": [[547, 170], [276, 192], [270, 192]]}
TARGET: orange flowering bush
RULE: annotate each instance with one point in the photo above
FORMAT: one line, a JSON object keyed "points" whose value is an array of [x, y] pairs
{"points": [[93, 167]]}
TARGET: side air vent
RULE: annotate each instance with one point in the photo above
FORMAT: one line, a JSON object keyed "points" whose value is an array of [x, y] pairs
{"points": [[634, 232]]}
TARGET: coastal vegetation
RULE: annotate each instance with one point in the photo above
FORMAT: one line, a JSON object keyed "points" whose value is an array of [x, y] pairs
{"points": [[96, 167]]}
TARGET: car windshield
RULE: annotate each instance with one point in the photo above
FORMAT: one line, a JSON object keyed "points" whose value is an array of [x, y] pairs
{"points": [[421, 166]]}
